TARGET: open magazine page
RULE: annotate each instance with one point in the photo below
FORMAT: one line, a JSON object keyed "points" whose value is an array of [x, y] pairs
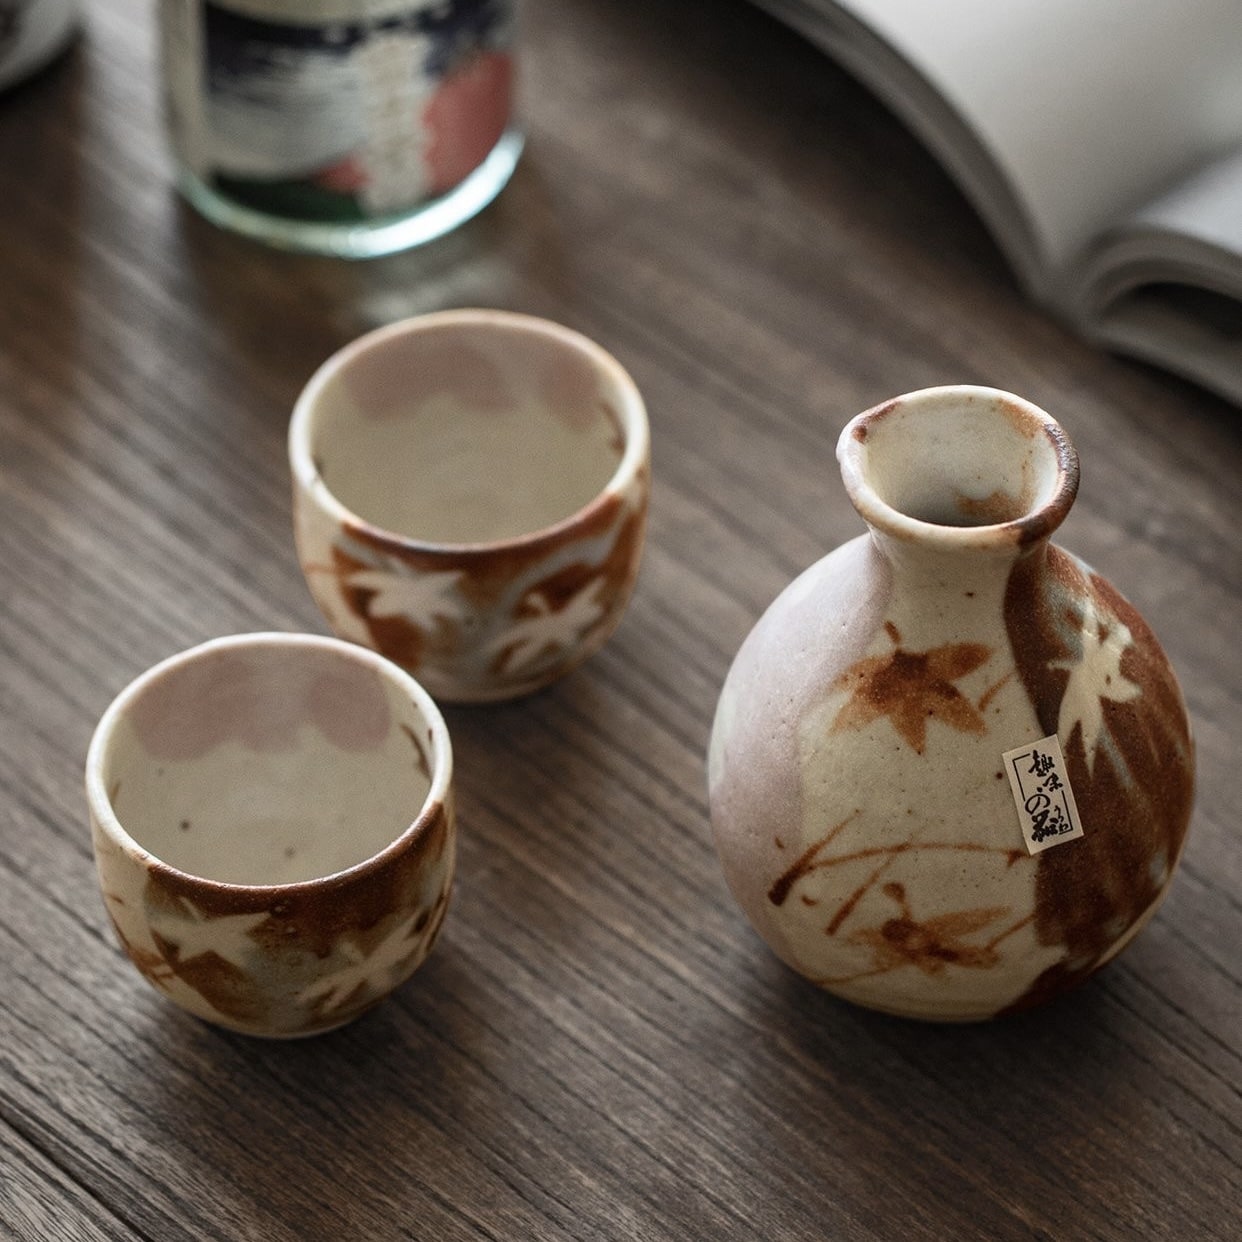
{"points": [[1086, 108], [920, 104], [1167, 284], [928, 112]]}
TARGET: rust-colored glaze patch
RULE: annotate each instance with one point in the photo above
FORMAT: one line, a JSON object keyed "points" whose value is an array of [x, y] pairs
{"points": [[421, 755], [876, 412], [804, 864], [560, 618], [314, 914], [1029, 599], [992, 691], [929, 944], [616, 441], [487, 571], [436, 921], [910, 688], [363, 911], [616, 572], [151, 965], [225, 987], [358, 905], [813, 859], [1133, 784], [397, 636], [598, 592], [1033, 528], [850, 904], [994, 509], [1040, 524]]}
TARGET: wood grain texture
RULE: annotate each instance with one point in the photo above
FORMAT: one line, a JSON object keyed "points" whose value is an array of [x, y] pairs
{"points": [[599, 1047]]}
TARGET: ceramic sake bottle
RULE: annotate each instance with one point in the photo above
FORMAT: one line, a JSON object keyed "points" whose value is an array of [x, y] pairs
{"points": [[951, 770]]}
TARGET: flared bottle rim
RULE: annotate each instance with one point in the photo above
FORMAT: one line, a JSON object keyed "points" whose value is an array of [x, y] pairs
{"points": [[959, 467]]}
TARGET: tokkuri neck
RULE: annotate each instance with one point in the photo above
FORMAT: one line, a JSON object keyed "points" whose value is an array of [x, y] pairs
{"points": [[958, 481]]}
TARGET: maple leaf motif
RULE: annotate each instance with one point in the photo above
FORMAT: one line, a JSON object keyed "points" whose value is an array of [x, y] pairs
{"points": [[530, 637], [227, 935], [149, 961], [930, 944], [1094, 677], [911, 687], [371, 971], [419, 598]]}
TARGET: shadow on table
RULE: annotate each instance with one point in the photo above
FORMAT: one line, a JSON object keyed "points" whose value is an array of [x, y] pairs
{"points": [[281, 314], [991, 1118], [287, 1138]]}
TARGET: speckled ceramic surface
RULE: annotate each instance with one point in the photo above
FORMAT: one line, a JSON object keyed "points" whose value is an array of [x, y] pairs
{"points": [[470, 498], [273, 828], [859, 797]]}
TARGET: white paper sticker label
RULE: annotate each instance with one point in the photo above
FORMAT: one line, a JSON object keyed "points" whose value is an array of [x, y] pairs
{"points": [[1042, 794]]}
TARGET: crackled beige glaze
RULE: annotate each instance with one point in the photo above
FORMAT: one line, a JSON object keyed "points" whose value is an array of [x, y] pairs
{"points": [[858, 795]]}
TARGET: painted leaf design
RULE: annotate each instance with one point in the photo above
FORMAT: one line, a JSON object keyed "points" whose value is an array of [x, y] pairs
{"points": [[418, 598], [531, 637], [195, 934], [365, 972], [910, 687], [1094, 677], [932, 944]]}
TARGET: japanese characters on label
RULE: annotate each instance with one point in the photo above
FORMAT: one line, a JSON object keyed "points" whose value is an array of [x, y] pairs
{"points": [[1042, 794]]}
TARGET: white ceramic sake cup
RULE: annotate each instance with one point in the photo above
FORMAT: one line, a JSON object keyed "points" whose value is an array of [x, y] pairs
{"points": [[273, 828], [470, 498]]}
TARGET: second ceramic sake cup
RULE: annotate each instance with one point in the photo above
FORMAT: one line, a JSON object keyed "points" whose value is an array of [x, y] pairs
{"points": [[273, 827], [470, 498]]}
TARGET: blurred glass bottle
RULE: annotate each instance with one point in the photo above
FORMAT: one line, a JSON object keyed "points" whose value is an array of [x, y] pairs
{"points": [[351, 127], [31, 33]]}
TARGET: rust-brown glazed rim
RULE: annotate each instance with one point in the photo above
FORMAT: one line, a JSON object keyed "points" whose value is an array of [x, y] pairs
{"points": [[1031, 527], [436, 802], [631, 411]]}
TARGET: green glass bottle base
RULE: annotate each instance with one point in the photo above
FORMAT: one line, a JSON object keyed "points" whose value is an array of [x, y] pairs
{"points": [[362, 239]]}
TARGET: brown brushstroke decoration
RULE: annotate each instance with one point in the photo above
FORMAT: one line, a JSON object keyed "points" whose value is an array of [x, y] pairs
{"points": [[911, 687], [929, 944], [1134, 798]]}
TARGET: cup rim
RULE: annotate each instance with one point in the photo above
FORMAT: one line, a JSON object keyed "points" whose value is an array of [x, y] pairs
{"points": [[1028, 528], [635, 429], [438, 793]]}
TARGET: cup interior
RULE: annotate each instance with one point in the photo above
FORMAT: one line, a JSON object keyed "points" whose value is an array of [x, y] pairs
{"points": [[270, 760], [468, 427]]}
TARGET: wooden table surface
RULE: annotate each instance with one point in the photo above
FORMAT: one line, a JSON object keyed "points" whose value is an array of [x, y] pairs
{"points": [[599, 1047]]}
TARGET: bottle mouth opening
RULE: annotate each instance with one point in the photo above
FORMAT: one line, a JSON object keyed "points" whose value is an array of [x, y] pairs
{"points": [[959, 466]]}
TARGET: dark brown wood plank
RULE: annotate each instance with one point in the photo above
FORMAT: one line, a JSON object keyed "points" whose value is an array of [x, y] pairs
{"points": [[37, 1200], [599, 1047]]}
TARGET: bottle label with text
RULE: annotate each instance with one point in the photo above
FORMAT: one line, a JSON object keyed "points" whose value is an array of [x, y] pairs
{"points": [[1042, 794]]}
